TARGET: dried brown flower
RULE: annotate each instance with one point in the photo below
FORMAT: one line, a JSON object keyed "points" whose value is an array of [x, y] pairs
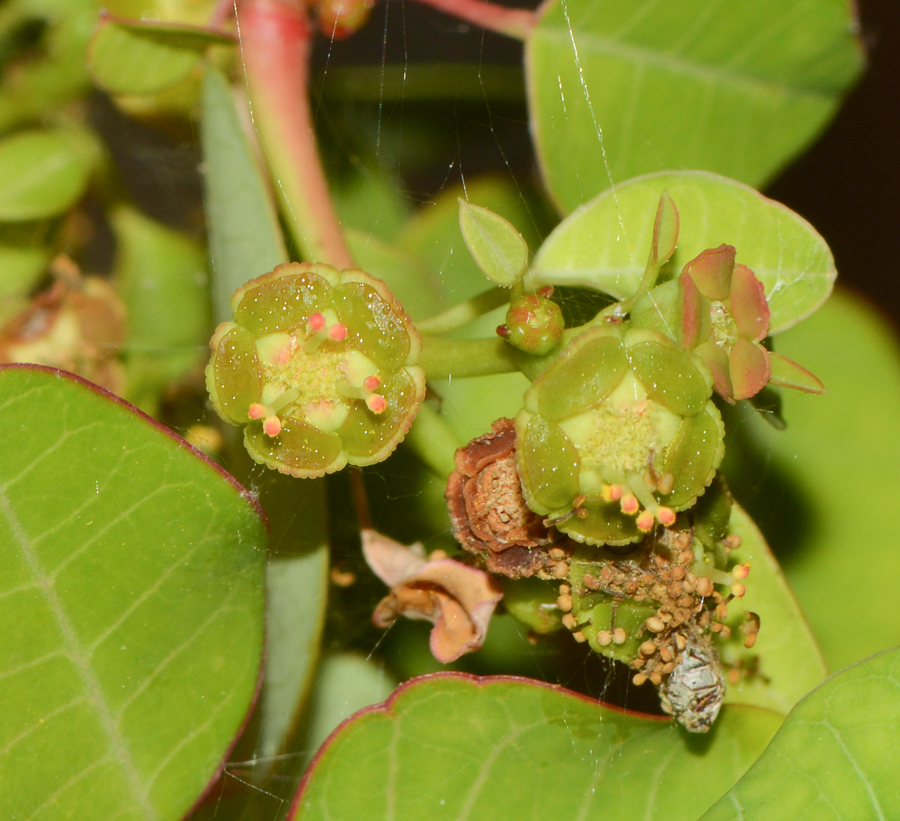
{"points": [[488, 512], [77, 325], [458, 599]]}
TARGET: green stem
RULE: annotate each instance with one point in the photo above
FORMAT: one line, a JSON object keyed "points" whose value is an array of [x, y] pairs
{"points": [[276, 39], [460, 358], [433, 441], [465, 312], [515, 23]]}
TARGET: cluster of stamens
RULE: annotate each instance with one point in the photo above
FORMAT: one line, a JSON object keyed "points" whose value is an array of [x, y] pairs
{"points": [[688, 604], [635, 497], [356, 382]]}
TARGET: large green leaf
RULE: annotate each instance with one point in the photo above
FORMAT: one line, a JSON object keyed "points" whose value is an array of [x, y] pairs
{"points": [[835, 756], [143, 57], [822, 491], [622, 89], [43, 172], [605, 243], [790, 663], [245, 240], [131, 606], [453, 746]]}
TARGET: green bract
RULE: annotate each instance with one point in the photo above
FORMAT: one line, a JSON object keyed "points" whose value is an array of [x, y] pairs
{"points": [[618, 433], [319, 368]]}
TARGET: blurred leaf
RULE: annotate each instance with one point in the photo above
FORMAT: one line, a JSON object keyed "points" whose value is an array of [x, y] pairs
{"points": [[132, 607], [621, 89], [452, 746], [163, 282], [495, 244], [812, 488], [835, 756], [143, 57], [24, 254], [297, 584], [41, 76], [605, 243], [346, 682], [409, 279], [433, 235], [790, 662], [245, 239], [43, 173], [367, 198]]}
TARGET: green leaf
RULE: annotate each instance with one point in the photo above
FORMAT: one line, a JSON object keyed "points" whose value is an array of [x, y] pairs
{"points": [[43, 173], [132, 606], [297, 587], [143, 57], [822, 490], [621, 89], [834, 757], [163, 281], [245, 240], [604, 244], [790, 662], [496, 246], [453, 746]]}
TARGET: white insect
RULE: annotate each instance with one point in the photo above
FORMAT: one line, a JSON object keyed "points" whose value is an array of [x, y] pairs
{"points": [[694, 690]]}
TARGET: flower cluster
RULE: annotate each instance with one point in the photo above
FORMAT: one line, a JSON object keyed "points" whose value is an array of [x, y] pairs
{"points": [[318, 366]]}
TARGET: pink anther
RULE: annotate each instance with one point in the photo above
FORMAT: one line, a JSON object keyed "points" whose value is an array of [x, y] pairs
{"points": [[317, 323], [666, 516], [645, 521], [371, 383], [257, 411], [338, 331], [376, 403], [272, 426]]}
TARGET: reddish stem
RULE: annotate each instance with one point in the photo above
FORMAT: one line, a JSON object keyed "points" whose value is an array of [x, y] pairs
{"points": [[515, 23], [276, 38]]}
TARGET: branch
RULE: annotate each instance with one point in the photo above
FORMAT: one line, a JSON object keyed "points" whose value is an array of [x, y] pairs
{"points": [[276, 40], [516, 23]]}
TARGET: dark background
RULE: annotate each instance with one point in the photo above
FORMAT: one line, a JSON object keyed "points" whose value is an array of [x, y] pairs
{"points": [[848, 184]]}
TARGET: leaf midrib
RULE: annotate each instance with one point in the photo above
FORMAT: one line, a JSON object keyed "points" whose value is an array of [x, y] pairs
{"points": [[79, 657]]}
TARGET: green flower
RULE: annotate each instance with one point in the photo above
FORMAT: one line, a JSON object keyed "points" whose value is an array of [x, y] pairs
{"points": [[319, 368], [719, 310], [617, 434]]}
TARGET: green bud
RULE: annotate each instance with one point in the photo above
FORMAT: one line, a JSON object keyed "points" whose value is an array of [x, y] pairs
{"points": [[534, 324]]}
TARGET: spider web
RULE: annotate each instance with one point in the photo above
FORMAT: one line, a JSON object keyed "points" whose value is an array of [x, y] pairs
{"points": [[405, 158]]}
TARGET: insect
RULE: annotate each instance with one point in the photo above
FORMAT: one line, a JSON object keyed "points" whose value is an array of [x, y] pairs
{"points": [[693, 692]]}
